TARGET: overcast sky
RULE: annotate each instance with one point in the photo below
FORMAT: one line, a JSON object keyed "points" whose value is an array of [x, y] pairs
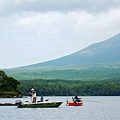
{"points": [[33, 31]]}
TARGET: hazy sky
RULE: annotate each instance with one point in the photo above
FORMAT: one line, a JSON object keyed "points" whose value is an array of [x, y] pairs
{"points": [[33, 31]]}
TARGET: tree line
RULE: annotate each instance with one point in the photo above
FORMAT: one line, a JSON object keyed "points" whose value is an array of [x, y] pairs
{"points": [[68, 87], [9, 86]]}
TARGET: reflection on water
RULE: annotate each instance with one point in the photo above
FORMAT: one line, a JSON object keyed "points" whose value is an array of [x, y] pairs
{"points": [[95, 108]]}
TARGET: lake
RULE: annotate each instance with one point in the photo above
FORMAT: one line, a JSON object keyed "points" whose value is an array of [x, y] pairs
{"points": [[94, 108]]}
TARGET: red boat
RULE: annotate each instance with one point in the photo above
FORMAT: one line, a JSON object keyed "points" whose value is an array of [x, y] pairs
{"points": [[75, 103]]}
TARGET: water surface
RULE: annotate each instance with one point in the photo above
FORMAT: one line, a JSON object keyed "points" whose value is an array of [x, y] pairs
{"points": [[95, 108]]}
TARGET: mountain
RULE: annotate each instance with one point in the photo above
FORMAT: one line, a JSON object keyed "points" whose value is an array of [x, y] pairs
{"points": [[102, 52], [97, 62]]}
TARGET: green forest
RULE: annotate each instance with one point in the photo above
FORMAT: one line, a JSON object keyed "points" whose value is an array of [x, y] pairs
{"points": [[91, 72], [62, 87], [8, 86]]}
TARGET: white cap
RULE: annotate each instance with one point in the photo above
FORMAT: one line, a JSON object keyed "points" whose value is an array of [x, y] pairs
{"points": [[32, 89]]}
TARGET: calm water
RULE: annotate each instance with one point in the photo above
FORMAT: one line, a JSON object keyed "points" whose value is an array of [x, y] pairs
{"points": [[95, 108]]}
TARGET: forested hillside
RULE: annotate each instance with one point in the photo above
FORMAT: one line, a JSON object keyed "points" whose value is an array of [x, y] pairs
{"points": [[102, 79], [96, 72], [62, 87]]}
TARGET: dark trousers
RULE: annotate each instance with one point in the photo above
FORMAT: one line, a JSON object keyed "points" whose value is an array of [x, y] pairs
{"points": [[34, 99]]}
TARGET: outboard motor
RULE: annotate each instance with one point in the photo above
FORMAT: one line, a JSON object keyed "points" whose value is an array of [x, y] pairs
{"points": [[18, 103]]}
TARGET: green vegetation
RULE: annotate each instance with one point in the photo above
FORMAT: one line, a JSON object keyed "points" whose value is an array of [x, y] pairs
{"points": [[91, 72], [62, 87], [89, 80], [8, 86]]}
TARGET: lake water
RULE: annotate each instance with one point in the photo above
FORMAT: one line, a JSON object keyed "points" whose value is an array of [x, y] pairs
{"points": [[95, 108]]}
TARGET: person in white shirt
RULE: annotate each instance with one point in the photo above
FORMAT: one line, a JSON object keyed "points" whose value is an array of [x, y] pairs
{"points": [[33, 94]]}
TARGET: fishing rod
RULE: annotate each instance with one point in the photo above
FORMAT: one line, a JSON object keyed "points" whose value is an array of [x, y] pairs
{"points": [[67, 97]]}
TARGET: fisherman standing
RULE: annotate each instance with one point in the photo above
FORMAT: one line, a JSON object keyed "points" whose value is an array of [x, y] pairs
{"points": [[33, 94]]}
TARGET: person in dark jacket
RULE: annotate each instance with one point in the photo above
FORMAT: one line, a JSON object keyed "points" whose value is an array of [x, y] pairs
{"points": [[77, 99]]}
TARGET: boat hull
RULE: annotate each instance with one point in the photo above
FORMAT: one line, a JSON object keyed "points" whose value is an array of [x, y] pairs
{"points": [[40, 105], [75, 103]]}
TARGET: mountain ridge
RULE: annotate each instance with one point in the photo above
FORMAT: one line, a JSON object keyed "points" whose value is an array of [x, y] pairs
{"points": [[97, 62], [95, 53]]}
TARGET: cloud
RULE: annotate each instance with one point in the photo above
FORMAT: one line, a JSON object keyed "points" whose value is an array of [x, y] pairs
{"points": [[61, 25], [39, 30], [16, 6]]}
